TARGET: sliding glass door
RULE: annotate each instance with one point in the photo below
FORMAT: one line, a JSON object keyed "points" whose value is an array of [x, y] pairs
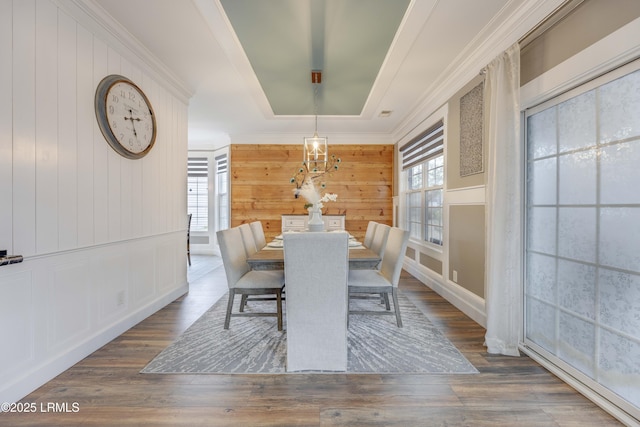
{"points": [[582, 254]]}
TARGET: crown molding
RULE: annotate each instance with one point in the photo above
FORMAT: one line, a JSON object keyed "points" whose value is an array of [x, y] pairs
{"points": [[96, 19], [506, 28], [220, 26], [297, 138]]}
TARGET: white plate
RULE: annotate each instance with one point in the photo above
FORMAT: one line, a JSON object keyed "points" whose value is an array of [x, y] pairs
{"points": [[276, 244], [353, 243], [278, 237]]}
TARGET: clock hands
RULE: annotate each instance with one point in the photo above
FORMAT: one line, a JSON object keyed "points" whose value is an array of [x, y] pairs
{"points": [[132, 119]]}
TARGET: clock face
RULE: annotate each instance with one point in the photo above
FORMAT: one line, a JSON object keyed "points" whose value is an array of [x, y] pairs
{"points": [[125, 116]]}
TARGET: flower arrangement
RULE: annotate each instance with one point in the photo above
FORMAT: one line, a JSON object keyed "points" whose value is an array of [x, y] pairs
{"points": [[308, 183], [310, 192]]}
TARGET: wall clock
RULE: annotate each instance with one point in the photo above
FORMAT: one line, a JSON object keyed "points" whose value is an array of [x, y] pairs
{"points": [[125, 116]]}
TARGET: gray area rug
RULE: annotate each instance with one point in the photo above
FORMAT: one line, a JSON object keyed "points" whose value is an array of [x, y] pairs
{"points": [[254, 344]]}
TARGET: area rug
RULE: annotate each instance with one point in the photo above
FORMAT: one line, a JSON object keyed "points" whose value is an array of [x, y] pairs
{"points": [[253, 345]]}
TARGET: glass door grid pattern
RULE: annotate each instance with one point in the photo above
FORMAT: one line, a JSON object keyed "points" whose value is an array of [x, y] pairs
{"points": [[582, 254]]}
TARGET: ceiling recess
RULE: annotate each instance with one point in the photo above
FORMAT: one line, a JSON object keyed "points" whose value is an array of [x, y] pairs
{"points": [[348, 40]]}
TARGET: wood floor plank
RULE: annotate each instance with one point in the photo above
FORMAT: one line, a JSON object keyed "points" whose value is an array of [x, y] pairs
{"points": [[430, 416], [109, 389]]}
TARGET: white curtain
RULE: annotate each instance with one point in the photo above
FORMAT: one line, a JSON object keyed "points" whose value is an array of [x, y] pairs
{"points": [[503, 204]]}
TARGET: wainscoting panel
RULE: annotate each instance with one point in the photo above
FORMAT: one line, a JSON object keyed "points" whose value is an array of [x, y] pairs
{"points": [[431, 263], [141, 276], [64, 306], [166, 264], [17, 320], [112, 285], [465, 301], [70, 292]]}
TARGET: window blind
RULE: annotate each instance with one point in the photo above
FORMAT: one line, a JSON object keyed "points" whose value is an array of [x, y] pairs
{"points": [[222, 191], [428, 144], [197, 195], [197, 166], [221, 164]]}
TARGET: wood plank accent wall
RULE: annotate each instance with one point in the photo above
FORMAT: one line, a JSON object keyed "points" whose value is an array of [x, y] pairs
{"points": [[261, 190]]}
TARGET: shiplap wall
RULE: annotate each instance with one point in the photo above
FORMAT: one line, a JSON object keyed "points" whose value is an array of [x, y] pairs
{"points": [[103, 237], [261, 188], [66, 186]]}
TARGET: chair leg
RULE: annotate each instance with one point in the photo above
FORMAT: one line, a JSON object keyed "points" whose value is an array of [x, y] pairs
{"points": [[227, 319], [279, 308], [396, 307], [243, 302], [385, 300]]}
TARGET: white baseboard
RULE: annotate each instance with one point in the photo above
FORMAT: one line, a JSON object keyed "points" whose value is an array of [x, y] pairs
{"points": [[204, 251], [39, 375], [465, 301]]}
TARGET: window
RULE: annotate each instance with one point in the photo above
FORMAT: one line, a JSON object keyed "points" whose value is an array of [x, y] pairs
{"points": [[222, 185], [198, 192], [414, 201], [433, 200], [208, 197], [423, 165]]}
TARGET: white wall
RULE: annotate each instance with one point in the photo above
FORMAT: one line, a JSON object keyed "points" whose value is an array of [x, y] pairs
{"points": [[103, 237]]}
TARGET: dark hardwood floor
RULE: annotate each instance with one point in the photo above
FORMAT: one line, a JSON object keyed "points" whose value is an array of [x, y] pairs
{"points": [[106, 388]]}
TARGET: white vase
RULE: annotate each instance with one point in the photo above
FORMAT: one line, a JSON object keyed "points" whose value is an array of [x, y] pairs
{"points": [[315, 219]]}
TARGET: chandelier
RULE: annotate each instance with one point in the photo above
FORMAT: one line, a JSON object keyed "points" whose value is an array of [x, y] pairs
{"points": [[316, 161], [315, 152]]}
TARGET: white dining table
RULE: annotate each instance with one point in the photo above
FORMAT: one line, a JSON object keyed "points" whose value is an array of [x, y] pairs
{"points": [[271, 257]]}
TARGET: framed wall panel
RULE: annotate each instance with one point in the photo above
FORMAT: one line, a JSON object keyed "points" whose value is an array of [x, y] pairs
{"points": [[471, 131]]}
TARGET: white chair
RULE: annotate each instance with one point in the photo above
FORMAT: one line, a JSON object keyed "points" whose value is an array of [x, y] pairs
{"points": [[380, 239], [368, 236], [258, 234], [377, 241], [251, 246], [247, 239], [244, 281], [316, 267], [383, 281]]}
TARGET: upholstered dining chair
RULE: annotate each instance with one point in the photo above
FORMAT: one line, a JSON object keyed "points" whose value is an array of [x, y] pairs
{"points": [[251, 247], [248, 239], [316, 267], [258, 234], [379, 241], [368, 236], [244, 281], [383, 281]]}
